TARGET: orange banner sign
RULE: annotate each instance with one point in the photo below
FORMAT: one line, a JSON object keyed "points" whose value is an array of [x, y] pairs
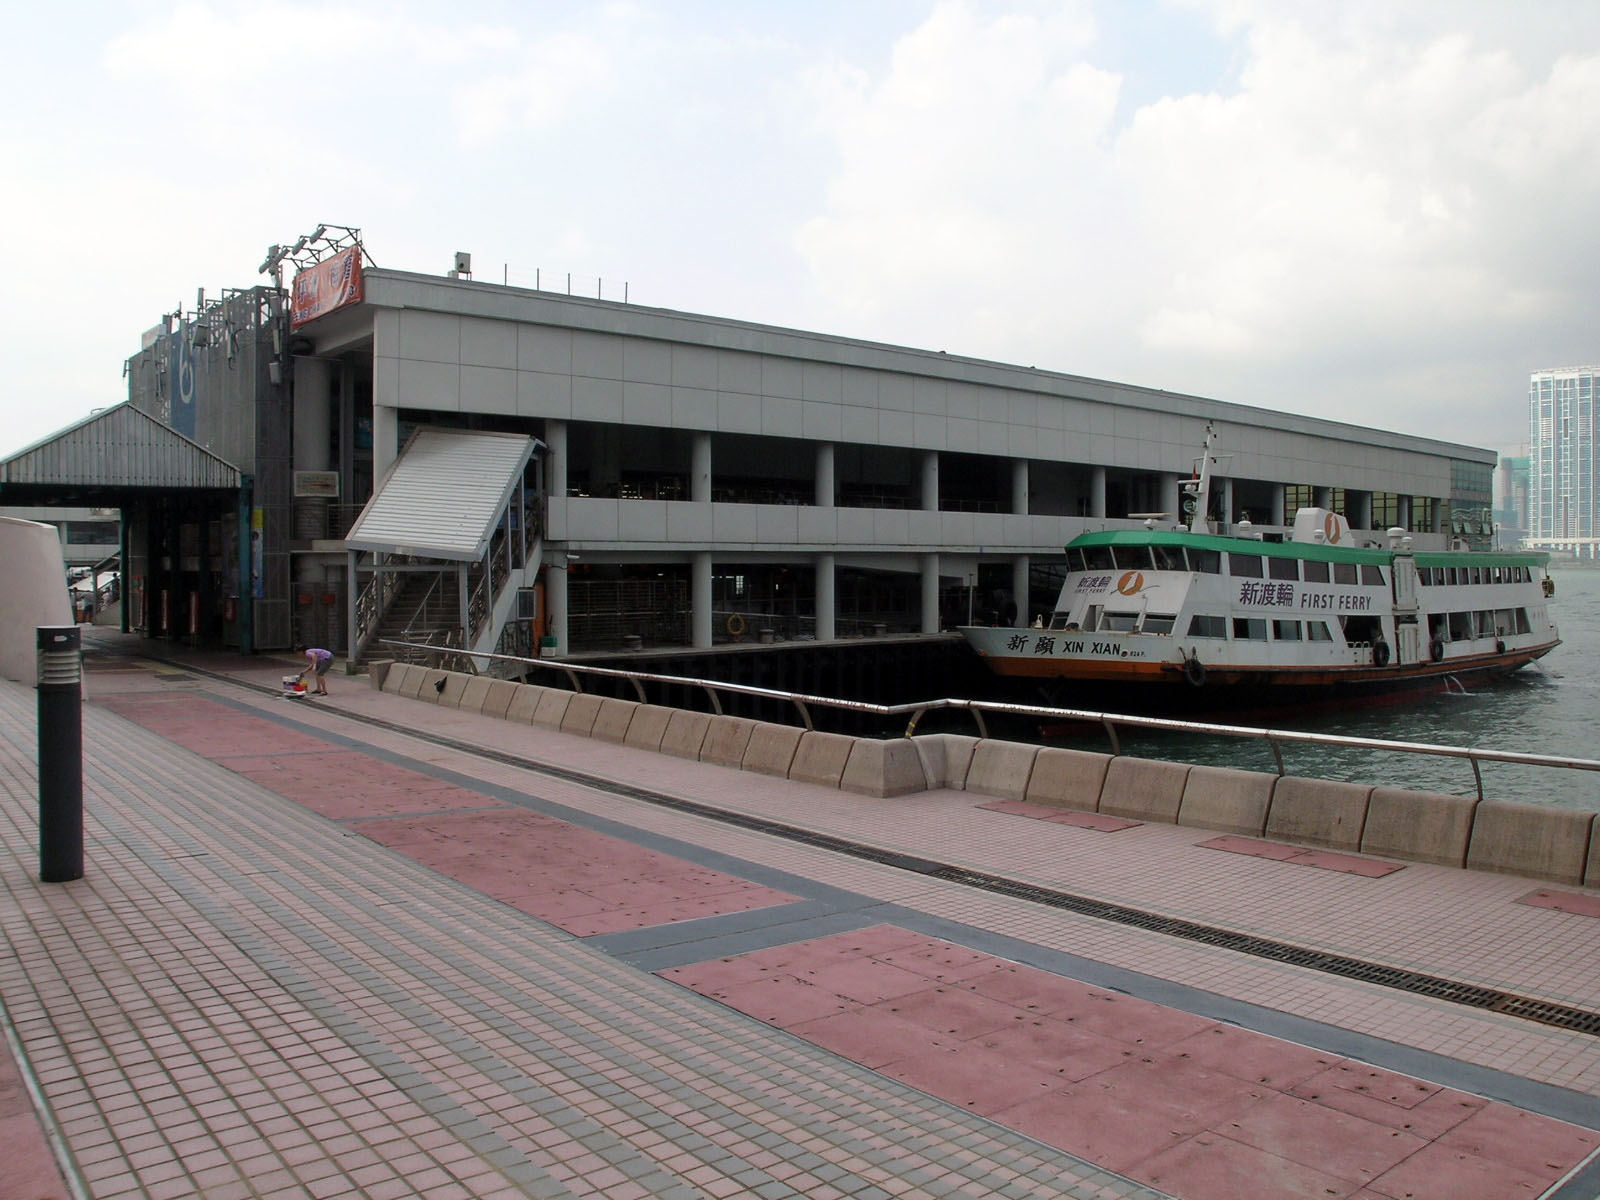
{"points": [[331, 284]]}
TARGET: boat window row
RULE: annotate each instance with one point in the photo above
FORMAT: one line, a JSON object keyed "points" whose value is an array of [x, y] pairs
{"points": [[1102, 619], [1480, 623], [1447, 576], [1214, 562], [1256, 629], [1256, 566]]}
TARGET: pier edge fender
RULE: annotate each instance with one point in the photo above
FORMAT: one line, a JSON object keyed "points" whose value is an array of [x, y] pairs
{"points": [[1194, 671]]}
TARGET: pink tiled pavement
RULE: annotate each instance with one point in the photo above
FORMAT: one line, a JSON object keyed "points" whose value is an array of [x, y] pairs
{"points": [[952, 826]]}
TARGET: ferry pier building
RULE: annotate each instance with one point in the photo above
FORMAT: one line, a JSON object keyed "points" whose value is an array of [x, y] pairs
{"points": [[446, 460]]}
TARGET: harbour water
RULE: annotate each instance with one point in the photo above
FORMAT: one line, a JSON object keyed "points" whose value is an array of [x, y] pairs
{"points": [[1551, 707]]}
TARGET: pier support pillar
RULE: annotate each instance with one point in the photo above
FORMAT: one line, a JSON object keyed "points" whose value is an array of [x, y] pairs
{"points": [[1324, 497], [1020, 591], [1097, 493], [700, 469], [826, 497], [930, 593], [1279, 497], [1019, 486], [700, 601], [1403, 511], [385, 435], [555, 590], [930, 481], [1227, 503], [825, 598], [1171, 497]]}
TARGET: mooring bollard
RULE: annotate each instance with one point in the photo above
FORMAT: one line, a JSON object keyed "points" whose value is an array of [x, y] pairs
{"points": [[60, 754]]}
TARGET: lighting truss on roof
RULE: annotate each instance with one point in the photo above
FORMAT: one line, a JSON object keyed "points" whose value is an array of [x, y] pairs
{"points": [[312, 248]]}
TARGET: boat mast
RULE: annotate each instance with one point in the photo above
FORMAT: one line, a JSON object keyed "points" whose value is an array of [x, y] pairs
{"points": [[1197, 504]]}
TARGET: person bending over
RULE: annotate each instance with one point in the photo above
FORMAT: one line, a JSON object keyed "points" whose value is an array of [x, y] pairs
{"points": [[318, 661]]}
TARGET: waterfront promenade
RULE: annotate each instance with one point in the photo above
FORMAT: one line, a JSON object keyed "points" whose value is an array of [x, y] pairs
{"points": [[315, 954]]}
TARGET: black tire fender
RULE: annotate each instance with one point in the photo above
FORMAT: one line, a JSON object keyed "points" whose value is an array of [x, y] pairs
{"points": [[1380, 654], [1194, 671], [1436, 649]]}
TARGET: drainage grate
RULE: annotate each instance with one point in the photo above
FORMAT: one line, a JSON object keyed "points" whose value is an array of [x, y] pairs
{"points": [[1561, 1016]]}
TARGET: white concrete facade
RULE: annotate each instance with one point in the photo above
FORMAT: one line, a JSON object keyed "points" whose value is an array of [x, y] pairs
{"points": [[1060, 447]]}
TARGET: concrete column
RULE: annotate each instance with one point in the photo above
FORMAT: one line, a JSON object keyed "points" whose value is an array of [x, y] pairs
{"points": [[1020, 591], [930, 593], [1171, 496], [555, 599], [1279, 493], [700, 469], [1361, 509], [826, 494], [1227, 502], [385, 435], [1403, 508], [555, 462], [313, 413], [825, 598], [930, 481], [1440, 514], [1097, 493], [700, 601], [1019, 486], [1324, 497]]}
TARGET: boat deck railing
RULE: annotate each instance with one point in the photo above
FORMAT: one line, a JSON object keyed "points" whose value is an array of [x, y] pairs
{"points": [[913, 713]]}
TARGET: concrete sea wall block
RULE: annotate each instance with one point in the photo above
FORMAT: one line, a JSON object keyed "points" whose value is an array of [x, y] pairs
{"points": [[455, 684], [524, 704], [581, 712], [474, 694], [648, 727], [771, 748], [1319, 812], [1539, 840], [1001, 768], [498, 700], [685, 733], [612, 721], [726, 740], [395, 678], [377, 672], [1143, 789], [821, 758], [1068, 778], [552, 708], [428, 685], [885, 768], [1430, 827], [1228, 800], [411, 682]]}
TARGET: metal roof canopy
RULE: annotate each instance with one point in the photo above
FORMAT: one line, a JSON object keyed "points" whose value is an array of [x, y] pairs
{"points": [[444, 495], [111, 453]]}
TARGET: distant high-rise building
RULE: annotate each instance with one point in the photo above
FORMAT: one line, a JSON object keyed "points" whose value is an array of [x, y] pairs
{"points": [[1564, 459], [1511, 495]]}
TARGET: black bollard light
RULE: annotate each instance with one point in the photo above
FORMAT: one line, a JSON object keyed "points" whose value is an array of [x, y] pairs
{"points": [[60, 754]]}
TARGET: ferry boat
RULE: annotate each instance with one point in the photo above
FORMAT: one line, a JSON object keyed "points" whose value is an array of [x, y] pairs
{"points": [[1185, 617]]}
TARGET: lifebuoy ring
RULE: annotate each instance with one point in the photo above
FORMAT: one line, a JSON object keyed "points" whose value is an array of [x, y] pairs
{"points": [[1436, 649], [1380, 654], [1194, 671], [735, 625]]}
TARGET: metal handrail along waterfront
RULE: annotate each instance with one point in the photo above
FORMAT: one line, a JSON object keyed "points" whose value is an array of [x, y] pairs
{"points": [[1275, 739]]}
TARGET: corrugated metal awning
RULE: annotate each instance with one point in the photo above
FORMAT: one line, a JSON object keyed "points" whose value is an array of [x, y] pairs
{"points": [[120, 449], [444, 495]]}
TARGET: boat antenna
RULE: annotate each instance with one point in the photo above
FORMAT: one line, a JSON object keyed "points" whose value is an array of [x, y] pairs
{"points": [[1197, 502]]}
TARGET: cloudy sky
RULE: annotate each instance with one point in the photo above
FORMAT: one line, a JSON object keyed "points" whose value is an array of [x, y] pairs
{"points": [[1381, 211]]}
